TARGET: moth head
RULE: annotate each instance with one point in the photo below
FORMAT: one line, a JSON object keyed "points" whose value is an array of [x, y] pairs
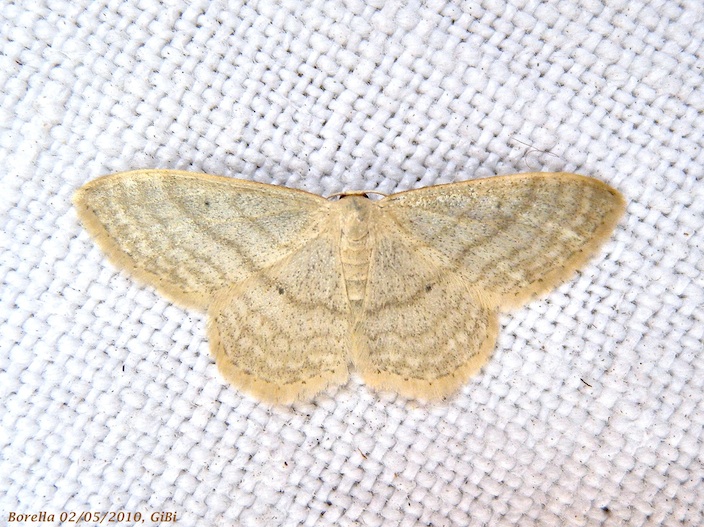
{"points": [[362, 193]]}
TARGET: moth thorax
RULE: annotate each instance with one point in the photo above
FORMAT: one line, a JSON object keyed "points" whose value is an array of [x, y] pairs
{"points": [[356, 217]]}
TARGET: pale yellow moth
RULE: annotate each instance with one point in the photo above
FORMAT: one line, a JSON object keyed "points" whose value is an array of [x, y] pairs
{"points": [[297, 287]]}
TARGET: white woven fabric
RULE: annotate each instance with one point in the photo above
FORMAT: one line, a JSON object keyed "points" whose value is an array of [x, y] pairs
{"points": [[590, 411]]}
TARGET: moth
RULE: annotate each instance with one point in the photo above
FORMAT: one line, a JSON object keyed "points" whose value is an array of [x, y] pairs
{"points": [[299, 288]]}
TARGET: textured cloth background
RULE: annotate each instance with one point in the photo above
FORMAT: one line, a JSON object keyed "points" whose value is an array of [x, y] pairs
{"points": [[590, 411]]}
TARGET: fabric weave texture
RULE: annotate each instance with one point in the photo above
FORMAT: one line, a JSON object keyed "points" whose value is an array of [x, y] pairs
{"points": [[590, 411]]}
